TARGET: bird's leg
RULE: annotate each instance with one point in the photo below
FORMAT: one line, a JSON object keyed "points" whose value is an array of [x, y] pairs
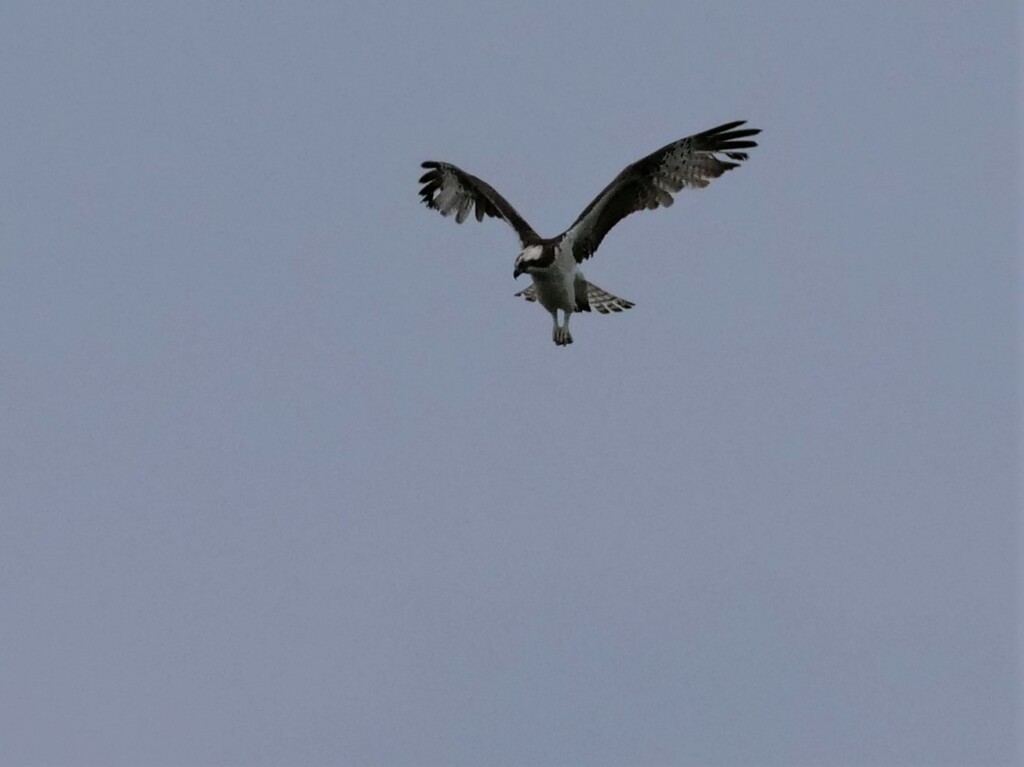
{"points": [[562, 336], [555, 328]]}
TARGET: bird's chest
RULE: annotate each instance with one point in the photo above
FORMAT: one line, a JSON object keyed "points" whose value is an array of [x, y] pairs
{"points": [[555, 284]]}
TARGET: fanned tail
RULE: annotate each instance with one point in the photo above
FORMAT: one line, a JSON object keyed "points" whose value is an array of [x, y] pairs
{"points": [[604, 302], [530, 293], [600, 300]]}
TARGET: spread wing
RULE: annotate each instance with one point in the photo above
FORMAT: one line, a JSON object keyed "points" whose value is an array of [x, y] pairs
{"points": [[650, 183], [448, 190]]}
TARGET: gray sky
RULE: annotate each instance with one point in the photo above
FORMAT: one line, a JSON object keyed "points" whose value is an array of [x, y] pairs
{"points": [[289, 476]]}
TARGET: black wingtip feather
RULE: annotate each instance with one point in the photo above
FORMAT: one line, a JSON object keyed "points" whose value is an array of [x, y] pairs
{"points": [[721, 145], [737, 136], [726, 138], [723, 128]]}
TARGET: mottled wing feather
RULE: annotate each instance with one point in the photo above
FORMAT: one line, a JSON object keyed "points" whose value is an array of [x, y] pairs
{"points": [[448, 189], [600, 300], [650, 183]]}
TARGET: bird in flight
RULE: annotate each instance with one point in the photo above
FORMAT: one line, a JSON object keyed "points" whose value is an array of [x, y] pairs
{"points": [[554, 263]]}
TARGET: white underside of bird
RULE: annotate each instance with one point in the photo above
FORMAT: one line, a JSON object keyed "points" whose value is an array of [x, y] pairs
{"points": [[561, 287]]}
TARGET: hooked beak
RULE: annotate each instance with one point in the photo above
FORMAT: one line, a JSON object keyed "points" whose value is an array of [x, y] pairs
{"points": [[516, 272]]}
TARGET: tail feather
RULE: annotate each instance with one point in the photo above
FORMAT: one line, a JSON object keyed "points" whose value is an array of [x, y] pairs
{"points": [[530, 293], [600, 300], [604, 302]]}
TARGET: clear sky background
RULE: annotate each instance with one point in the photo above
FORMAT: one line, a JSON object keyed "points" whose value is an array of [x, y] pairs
{"points": [[288, 476]]}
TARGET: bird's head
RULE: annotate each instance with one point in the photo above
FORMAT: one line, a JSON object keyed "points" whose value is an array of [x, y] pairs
{"points": [[527, 260]]}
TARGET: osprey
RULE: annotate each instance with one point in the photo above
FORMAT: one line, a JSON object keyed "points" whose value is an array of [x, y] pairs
{"points": [[553, 264]]}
